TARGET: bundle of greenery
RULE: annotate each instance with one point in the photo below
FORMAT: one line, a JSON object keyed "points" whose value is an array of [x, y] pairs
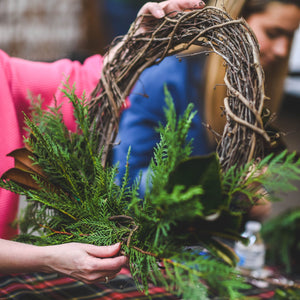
{"points": [[176, 236]]}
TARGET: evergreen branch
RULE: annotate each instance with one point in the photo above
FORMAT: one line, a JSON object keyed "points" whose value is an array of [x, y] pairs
{"points": [[144, 252], [274, 173], [187, 202], [61, 232]]}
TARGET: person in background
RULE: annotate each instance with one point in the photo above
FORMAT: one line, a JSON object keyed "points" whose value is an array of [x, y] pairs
{"points": [[199, 80], [87, 263]]}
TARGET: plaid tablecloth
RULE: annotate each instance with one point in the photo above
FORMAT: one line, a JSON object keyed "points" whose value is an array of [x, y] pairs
{"points": [[39, 286]]}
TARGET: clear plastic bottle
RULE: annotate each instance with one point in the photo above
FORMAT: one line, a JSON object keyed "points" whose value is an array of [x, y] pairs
{"points": [[252, 256]]}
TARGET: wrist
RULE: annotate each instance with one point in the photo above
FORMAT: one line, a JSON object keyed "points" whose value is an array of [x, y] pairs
{"points": [[46, 258]]}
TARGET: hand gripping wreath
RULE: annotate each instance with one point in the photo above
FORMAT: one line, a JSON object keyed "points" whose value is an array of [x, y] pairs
{"points": [[213, 30]]}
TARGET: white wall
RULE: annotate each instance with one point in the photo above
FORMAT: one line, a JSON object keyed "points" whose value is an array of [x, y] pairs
{"points": [[292, 84], [40, 29]]}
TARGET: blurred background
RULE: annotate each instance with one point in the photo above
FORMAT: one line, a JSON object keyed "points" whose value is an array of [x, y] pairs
{"points": [[49, 30], [288, 119]]}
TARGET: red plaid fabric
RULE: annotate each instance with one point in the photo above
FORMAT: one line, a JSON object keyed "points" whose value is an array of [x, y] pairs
{"points": [[39, 286]]}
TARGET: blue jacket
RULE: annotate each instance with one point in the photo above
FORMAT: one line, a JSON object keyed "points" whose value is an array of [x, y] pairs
{"points": [[138, 122]]}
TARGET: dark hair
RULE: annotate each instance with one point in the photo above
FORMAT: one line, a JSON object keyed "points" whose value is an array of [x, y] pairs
{"points": [[257, 6]]}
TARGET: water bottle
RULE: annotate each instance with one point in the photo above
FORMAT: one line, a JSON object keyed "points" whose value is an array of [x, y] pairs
{"points": [[252, 256]]}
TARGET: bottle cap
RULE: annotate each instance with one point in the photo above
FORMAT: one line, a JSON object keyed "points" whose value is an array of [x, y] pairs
{"points": [[253, 226]]}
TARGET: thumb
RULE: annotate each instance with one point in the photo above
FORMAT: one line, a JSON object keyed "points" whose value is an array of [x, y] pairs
{"points": [[104, 251]]}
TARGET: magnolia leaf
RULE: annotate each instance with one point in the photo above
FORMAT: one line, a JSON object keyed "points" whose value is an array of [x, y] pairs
{"points": [[205, 172], [225, 225], [21, 177], [24, 160], [25, 169], [212, 232], [223, 251]]}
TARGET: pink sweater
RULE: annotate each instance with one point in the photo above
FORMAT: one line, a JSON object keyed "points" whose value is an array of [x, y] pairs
{"points": [[18, 77]]}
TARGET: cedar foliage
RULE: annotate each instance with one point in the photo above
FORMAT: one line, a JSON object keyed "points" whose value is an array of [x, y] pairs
{"points": [[188, 202]]}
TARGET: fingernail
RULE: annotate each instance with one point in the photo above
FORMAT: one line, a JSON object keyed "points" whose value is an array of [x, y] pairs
{"points": [[160, 13]]}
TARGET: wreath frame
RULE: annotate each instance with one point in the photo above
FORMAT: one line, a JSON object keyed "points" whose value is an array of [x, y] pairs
{"points": [[213, 31]]}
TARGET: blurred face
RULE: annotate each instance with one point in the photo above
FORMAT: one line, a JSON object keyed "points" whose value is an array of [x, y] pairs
{"points": [[274, 29]]}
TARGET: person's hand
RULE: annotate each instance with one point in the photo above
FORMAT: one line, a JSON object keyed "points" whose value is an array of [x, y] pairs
{"points": [[159, 10], [85, 262]]}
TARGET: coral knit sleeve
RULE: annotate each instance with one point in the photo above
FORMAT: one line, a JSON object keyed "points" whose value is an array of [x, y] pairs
{"points": [[18, 78]]}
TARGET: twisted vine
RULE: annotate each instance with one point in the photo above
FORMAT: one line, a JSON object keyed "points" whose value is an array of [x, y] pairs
{"points": [[215, 31]]}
